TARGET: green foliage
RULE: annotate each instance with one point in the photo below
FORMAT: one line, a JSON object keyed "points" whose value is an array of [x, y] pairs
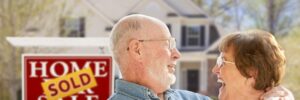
{"points": [[276, 16], [291, 46], [3, 94], [15, 15]]}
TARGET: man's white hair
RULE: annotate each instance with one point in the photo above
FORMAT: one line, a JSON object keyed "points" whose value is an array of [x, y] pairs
{"points": [[124, 30]]}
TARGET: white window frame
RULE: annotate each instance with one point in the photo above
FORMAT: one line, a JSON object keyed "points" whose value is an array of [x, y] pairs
{"points": [[70, 24], [188, 36]]}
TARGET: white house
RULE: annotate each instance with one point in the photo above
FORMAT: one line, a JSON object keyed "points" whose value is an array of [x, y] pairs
{"points": [[195, 32]]}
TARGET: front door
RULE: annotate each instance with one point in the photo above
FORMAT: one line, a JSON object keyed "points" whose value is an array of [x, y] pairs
{"points": [[193, 80]]}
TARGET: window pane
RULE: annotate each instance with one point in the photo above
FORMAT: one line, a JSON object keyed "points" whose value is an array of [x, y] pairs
{"points": [[72, 27], [193, 31], [194, 36], [193, 41]]}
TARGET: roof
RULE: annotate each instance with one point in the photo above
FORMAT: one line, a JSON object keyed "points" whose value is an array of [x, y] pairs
{"points": [[186, 8], [115, 9]]}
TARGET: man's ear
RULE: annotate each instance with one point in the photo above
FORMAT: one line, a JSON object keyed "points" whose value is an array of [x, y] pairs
{"points": [[134, 49]]}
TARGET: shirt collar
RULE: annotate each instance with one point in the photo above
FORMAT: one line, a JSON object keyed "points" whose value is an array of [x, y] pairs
{"points": [[135, 90]]}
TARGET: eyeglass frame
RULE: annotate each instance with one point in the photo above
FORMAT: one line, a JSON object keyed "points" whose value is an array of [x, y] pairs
{"points": [[171, 42], [221, 61]]}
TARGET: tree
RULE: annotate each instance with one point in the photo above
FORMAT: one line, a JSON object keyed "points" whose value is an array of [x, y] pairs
{"points": [[15, 17], [291, 46], [227, 13], [275, 16]]}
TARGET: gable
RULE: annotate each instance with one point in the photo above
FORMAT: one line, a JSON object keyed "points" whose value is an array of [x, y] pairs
{"points": [[186, 7], [154, 8]]}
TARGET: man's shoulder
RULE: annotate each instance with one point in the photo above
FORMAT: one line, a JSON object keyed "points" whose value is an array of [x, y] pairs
{"points": [[118, 96], [188, 95]]}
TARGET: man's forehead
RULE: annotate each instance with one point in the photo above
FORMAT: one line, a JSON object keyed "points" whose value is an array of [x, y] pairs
{"points": [[156, 30]]}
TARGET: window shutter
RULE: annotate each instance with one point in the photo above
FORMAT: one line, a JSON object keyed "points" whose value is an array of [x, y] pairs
{"points": [[183, 35], [214, 34], [170, 28], [82, 27], [202, 35]]}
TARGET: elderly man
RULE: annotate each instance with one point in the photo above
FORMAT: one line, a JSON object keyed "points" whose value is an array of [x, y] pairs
{"points": [[146, 54]]}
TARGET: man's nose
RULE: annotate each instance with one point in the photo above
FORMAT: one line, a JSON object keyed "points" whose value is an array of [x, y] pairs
{"points": [[175, 54]]}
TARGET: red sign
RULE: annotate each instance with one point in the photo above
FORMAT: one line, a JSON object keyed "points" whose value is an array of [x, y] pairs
{"points": [[40, 68]]}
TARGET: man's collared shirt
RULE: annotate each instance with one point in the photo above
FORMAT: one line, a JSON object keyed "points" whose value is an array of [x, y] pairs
{"points": [[130, 91]]}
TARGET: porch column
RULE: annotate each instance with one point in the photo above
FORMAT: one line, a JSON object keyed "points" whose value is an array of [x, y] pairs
{"points": [[203, 75], [177, 74]]}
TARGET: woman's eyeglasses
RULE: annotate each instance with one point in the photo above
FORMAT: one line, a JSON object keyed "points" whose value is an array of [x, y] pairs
{"points": [[221, 61]]}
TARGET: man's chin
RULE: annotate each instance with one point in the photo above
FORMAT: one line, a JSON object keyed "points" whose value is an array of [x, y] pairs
{"points": [[172, 79]]}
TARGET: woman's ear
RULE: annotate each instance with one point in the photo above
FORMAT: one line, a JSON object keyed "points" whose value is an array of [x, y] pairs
{"points": [[252, 72], [252, 78], [134, 49]]}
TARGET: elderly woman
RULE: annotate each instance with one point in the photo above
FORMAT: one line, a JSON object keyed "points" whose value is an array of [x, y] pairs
{"points": [[250, 67]]}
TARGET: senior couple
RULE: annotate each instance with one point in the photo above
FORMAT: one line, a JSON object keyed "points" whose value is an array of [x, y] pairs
{"points": [[250, 66]]}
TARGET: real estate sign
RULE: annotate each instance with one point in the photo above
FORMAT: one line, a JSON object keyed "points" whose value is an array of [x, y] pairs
{"points": [[67, 77]]}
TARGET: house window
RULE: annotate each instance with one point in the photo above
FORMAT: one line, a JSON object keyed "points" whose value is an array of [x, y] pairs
{"points": [[193, 36], [72, 27]]}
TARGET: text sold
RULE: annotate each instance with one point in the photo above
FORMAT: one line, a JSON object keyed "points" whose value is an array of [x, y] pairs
{"points": [[69, 84]]}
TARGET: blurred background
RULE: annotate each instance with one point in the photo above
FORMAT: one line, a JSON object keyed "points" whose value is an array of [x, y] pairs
{"points": [[197, 26]]}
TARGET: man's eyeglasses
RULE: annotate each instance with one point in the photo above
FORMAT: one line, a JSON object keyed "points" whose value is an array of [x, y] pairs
{"points": [[172, 42], [221, 61]]}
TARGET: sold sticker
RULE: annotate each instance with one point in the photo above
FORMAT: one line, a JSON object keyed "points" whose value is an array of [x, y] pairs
{"points": [[67, 85]]}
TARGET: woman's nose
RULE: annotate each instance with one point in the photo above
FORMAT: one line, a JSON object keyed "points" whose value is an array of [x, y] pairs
{"points": [[216, 69]]}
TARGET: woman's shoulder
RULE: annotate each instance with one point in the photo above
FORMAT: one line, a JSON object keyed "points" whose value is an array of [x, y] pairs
{"points": [[278, 93]]}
